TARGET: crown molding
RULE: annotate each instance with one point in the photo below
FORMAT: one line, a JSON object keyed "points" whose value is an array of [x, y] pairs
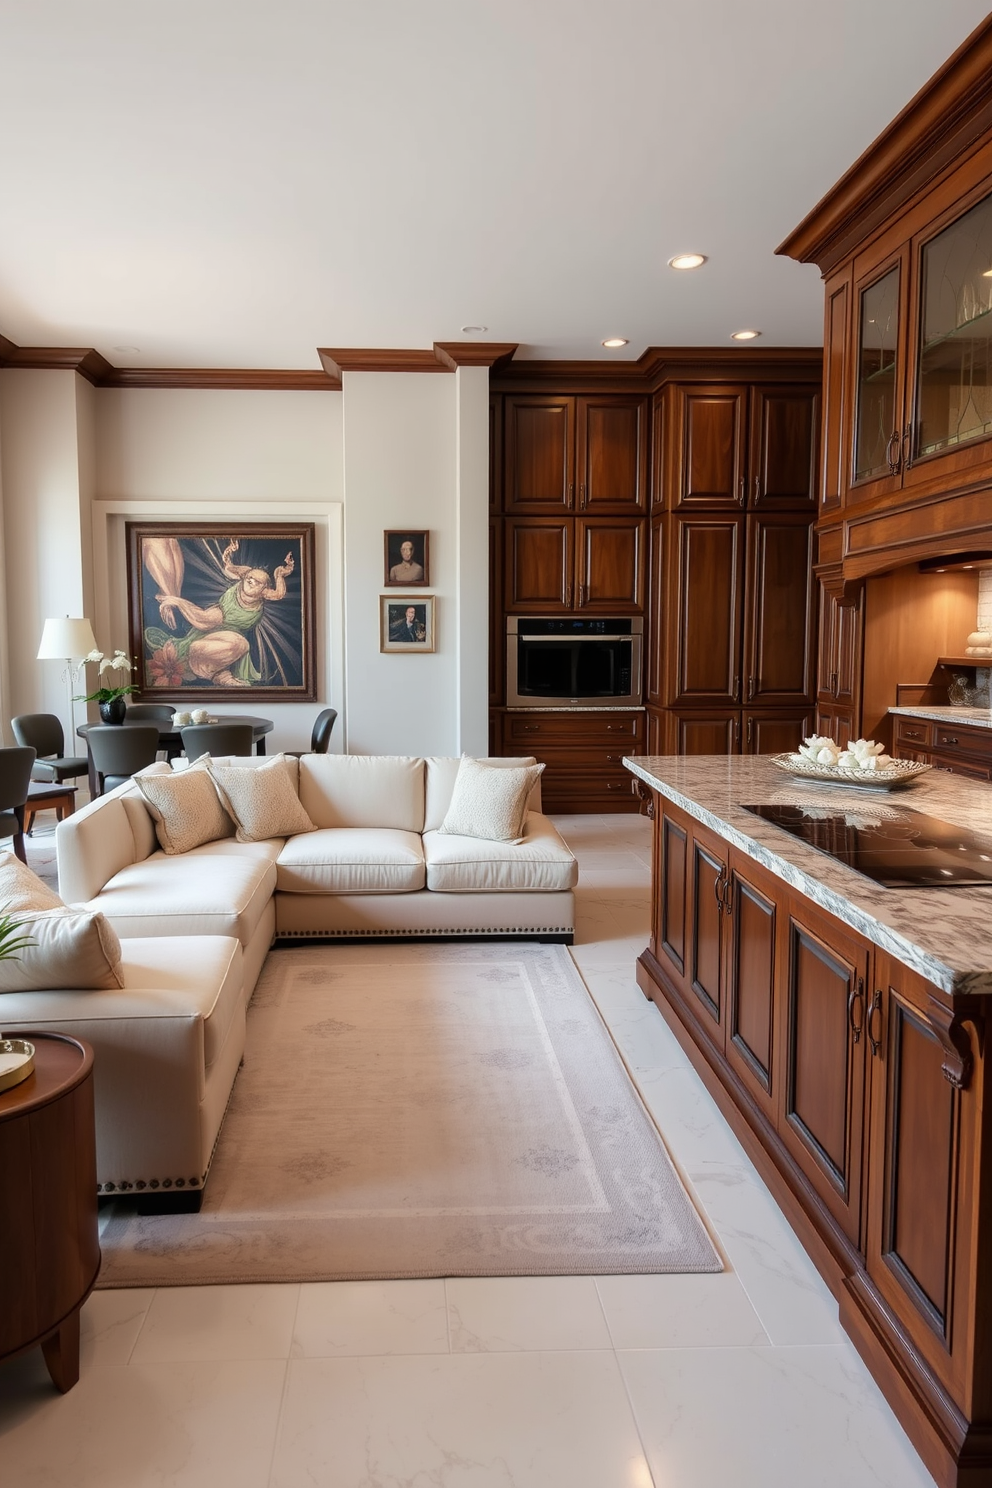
{"points": [[942, 123], [492, 354], [338, 360], [89, 363], [660, 364], [238, 379]]}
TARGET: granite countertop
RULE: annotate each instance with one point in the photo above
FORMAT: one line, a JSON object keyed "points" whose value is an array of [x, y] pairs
{"points": [[976, 717], [944, 934]]}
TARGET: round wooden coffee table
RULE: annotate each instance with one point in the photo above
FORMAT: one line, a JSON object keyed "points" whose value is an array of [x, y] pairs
{"points": [[49, 1244]]}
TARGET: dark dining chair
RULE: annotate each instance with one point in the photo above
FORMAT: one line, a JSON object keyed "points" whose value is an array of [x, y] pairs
{"points": [[217, 739], [320, 737], [15, 781], [119, 751], [43, 733], [141, 711]]}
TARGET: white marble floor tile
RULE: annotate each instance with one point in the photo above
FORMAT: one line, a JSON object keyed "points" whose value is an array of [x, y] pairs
{"points": [[500, 1314], [655, 1312], [767, 1418], [188, 1425], [790, 1297], [695, 1131], [337, 1318], [218, 1322], [109, 1325], [516, 1420]]}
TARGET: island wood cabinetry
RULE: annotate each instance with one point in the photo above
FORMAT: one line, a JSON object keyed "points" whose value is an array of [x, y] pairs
{"points": [[859, 1090], [956, 747]]}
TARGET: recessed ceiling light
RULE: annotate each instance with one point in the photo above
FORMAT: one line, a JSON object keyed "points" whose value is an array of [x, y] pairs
{"points": [[613, 341], [473, 330], [744, 335], [687, 261]]}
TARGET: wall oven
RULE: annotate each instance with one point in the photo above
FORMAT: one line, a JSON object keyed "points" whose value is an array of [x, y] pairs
{"points": [[572, 661]]}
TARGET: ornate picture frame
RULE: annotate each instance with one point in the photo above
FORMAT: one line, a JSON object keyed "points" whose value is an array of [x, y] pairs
{"points": [[222, 611], [406, 558], [406, 623]]}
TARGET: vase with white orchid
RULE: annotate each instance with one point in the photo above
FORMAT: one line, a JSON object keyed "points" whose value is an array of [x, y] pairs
{"points": [[111, 698]]}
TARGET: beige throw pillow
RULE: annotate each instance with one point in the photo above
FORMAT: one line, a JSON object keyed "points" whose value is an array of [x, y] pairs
{"points": [[21, 890], [490, 801], [71, 949], [186, 808], [261, 800]]}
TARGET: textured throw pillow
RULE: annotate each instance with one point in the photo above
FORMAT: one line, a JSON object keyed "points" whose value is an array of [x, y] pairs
{"points": [[261, 800], [22, 890], [186, 808], [490, 801], [71, 949]]}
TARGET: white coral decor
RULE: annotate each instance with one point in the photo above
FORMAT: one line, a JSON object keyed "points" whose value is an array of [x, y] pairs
{"points": [[860, 754]]}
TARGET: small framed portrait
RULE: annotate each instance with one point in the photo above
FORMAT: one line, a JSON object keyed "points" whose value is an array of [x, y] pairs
{"points": [[406, 622], [406, 558]]}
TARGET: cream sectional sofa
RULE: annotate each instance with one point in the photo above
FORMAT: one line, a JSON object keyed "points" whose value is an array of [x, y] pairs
{"points": [[196, 927]]}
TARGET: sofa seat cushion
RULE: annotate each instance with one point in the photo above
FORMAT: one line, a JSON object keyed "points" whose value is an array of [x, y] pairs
{"points": [[203, 892], [470, 865], [352, 860], [180, 976]]}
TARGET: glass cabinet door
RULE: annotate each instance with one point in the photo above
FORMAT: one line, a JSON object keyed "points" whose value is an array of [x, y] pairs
{"points": [[954, 366], [878, 417]]}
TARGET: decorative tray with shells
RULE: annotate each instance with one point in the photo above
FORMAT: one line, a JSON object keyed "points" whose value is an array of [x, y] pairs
{"points": [[898, 772], [16, 1062]]}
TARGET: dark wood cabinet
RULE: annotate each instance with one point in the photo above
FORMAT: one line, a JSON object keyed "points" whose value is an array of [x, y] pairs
{"points": [[610, 560], [783, 447], [859, 1089], [708, 449], [705, 621], [840, 665], [775, 732], [583, 753], [709, 731], [576, 454], [958, 748], [780, 623], [596, 564], [540, 564]]}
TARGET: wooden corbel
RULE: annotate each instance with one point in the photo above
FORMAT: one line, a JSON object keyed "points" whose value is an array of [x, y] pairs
{"points": [[955, 1040]]}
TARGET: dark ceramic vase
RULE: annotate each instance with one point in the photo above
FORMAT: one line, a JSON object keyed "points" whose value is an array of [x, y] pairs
{"points": [[113, 711]]}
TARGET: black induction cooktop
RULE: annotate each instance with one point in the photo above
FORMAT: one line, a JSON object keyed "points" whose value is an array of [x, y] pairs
{"points": [[895, 845]]}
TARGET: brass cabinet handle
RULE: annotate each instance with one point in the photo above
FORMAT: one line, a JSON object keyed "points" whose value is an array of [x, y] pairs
{"points": [[856, 1009], [737, 689], [876, 1007], [750, 731], [571, 488], [720, 891], [757, 488], [743, 494], [751, 688], [582, 495], [532, 728], [895, 438], [833, 684]]}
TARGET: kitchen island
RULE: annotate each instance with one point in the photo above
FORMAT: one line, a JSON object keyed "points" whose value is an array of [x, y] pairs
{"points": [[840, 1026]]}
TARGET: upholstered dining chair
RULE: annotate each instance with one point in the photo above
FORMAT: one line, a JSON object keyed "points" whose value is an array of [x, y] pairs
{"points": [[43, 733], [216, 739], [163, 712], [15, 779], [320, 737], [118, 751]]}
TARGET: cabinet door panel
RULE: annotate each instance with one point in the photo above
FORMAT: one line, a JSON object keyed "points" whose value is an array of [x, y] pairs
{"points": [[706, 626], [784, 444], [540, 453], [655, 638], [707, 733], [780, 621], [751, 983], [776, 733], [836, 723], [822, 1110], [539, 564], [495, 452], [612, 451], [880, 313], [672, 917], [712, 425], [836, 345], [708, 875], [611, 564]]}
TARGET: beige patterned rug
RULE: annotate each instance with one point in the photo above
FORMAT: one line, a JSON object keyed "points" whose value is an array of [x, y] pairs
{"points": [[424, 1110]]}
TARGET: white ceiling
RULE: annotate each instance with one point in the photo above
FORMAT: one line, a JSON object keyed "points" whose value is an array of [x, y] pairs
{"points": [[232, 183]]}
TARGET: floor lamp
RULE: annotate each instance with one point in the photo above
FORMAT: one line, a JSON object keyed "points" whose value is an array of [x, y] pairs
{"points": [[61, 640]]}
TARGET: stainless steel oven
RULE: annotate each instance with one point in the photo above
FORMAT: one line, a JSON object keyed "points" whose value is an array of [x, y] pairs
{"points": [[573, 661]]}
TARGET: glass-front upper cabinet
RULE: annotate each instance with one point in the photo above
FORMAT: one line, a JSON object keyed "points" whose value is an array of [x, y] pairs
{"points": [[954, 355], [876, 440]]}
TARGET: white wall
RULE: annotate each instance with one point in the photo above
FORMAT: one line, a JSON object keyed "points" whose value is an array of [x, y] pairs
{"points": [[45, 424], [392, 450]]}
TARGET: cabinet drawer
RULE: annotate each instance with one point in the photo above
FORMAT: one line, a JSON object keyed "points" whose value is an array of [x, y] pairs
{"points": [[566, 728], [976, 769], [951, 739], [912, 731]]}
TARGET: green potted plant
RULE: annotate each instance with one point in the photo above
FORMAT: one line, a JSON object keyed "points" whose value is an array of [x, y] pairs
{"points": [[112, 700]]}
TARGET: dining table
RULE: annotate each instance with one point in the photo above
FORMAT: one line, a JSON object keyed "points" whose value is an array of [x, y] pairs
{"points": [[171, 738]]}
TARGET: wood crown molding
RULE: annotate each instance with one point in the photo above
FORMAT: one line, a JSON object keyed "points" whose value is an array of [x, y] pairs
{"points": [[660, 364], [938, 125], [445, 356], [101, 373]]}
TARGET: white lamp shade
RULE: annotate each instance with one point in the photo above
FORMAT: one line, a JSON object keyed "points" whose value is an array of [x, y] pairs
{"points": [[64, 638]]}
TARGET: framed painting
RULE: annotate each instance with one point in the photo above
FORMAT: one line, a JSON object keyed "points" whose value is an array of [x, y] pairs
{"points": [[406, 622], [222, 612], [406, 558]]}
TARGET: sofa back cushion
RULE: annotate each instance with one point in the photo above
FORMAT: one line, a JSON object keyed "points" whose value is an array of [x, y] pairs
{"points": [[67, 948], [363, 790], [441, 776], [21, 890]]}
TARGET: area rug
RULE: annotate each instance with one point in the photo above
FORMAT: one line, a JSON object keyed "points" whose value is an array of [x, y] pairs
{"points": [[424, 1110]]}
